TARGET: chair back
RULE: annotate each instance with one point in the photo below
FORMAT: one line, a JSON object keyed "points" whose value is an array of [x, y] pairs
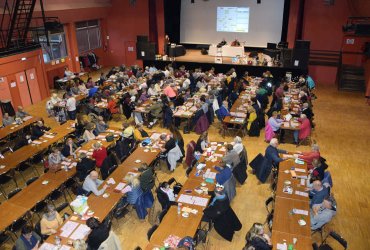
{"points": [[14, 192], [151, 231], [162, 214], [339, 238], [163, 199], [31, 180]]}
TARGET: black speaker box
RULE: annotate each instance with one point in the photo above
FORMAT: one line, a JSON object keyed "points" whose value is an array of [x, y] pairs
{"points": [[300, 58], [145, 51], [302, 44], [271, 45], [286, 57], [143, 39], [362, 29]]}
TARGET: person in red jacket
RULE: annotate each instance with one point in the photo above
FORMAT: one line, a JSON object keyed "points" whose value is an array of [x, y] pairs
{"points": [[308, 157], [304, 129], [99, 154], [112, 106]]}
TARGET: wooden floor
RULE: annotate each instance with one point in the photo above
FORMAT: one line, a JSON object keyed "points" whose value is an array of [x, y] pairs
{"points": [[343, 133]]}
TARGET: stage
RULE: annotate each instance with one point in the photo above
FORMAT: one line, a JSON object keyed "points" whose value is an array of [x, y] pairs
{"points": [[194, 59]]}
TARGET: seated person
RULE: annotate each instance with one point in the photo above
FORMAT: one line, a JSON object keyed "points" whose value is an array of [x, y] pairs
{"points": [[147, 177], [38, 130], [128, 130], [139, 132], [275, 123], [223, 111], [55, 158], [169, 144], [231, 157], [257, 238], [7, 120], [89, 135], [219, 211], [308, 157], [29, 240], [67, 72], [224, 173], [165, 188], [202, 142], [99, 233], [318, 193], [24, 140], [92, 183], [69, 148], [112, 106], [82, 88], [79, 245], [304, 129], [238, 145], [136, 191], [253, 126], [84, 166], [99, 153], [100, 125], [50, 221], [144, 96], [323, 213], [21, 113], [318, 170], [168, 114], [272, 153]]}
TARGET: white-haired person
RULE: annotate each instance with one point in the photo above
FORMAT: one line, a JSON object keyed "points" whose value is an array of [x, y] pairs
{"points": [[238, 145], [304, 129], [51, 220], [256, 238], [309, 156], [92, 184], [322, 213], [272, 153]]}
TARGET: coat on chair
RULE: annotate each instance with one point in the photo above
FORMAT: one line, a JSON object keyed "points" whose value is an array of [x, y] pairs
{"points": [[144, 201], [269, 133], [190, 153], [201, 125]]}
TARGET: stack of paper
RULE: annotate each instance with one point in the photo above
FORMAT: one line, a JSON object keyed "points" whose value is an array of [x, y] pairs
{"points": [[300, 211], [81, 232], [68, 228], [304, 194]]}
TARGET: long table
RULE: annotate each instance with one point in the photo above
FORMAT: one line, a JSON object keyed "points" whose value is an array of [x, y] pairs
{"points": [[285, 225], [103, 206], [14, 128], [12, 160], [174, 223], [39, 190]]}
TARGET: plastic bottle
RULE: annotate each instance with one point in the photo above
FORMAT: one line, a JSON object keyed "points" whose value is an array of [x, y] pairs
{"points": [[179, 208]]}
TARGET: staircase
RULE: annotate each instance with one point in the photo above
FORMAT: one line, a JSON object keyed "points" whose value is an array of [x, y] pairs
{"points": [[15, 23], [351, 78]]}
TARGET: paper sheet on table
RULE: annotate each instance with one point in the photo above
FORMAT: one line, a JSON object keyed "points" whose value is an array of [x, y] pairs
{"points": [[187, 113], [82, 151], [300, 170], [126, 189], [155, 136], [218, 155], [66, 163], [199, 201], [280, 246], [27, 118], [74, 164], [48, 246], [214, 143], [223, 149], [68, 228], [286, 124], [49, 136], [300, 211], [36, 142], [80, 232], [179, 112], [210, 175], [288, 117], [120, 186], [184, 198], [303, 182], [300, 162], [304, 194]]}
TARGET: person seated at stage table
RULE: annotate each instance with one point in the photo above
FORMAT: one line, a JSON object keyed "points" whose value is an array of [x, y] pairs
{"points": [[322, 214], [29, 240], [7, 120], [69, 148], [257, 239], [139, 133], [202, 142], [308, 157], [88, 134], [38, 130], [92, 183], [51, 221], [84, 166], [231, 157], [55, 158], [99, 153], [318, 193], [99, 233], [21, 113], [304, 129], [224, 173], [272, 153], [170, 91]]}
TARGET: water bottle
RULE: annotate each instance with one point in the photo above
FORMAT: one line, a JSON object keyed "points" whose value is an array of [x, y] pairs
{"points": [[179, 208]]}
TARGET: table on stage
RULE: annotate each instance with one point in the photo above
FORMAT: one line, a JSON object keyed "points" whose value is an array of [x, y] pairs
{"points": [[227, 51]]}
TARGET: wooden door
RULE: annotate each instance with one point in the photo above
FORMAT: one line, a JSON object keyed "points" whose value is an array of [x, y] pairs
{"points": [[4, 91], [14, 91], [23, 89], [130, 52], [33, 85]]}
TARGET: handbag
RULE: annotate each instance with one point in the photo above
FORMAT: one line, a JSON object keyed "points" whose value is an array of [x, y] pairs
{"points": [[109, 137]]}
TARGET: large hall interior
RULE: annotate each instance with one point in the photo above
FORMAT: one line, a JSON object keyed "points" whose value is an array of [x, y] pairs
{"points": [[184, 124]]}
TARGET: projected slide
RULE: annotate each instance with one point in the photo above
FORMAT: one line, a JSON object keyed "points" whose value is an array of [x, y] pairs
{"points": [[232, 19]]}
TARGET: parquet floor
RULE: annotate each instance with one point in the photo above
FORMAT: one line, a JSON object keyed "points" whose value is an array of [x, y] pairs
{"points": [[343, 133]]}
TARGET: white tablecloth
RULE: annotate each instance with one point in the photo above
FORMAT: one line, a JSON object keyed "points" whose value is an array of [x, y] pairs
{"points": [[227, 51]]}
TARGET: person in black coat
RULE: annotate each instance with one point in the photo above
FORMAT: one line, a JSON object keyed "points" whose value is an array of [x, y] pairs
{"points": [[99, 233], [84, 167], [69, 148], [168, 115], [38, 130], [272, 153], [219, 211], [24, 140]]}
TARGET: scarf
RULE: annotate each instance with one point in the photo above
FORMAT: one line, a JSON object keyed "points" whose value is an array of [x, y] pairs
{"points": [[220, 197]]}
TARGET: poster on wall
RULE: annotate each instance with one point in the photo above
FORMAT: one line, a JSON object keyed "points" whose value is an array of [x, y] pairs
{"points": [[32, 76], [21, 79], [13, 84], [1, 79]]}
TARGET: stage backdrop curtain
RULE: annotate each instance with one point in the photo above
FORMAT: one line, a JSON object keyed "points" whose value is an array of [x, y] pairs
{"points": [[153, 28], [172, 11]]}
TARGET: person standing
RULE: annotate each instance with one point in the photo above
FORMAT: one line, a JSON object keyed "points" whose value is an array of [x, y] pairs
{"points": [[71, 107]]}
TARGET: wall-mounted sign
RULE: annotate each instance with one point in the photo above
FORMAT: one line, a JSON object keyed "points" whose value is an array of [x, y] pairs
{"points": [[350, 41], [62, 60], [32, 76], [1, 79], [57, 62], [130, 49], [13, 84], [21, 79]]}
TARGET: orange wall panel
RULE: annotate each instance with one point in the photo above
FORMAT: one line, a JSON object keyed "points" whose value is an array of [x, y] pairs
{"points": [[33, 85], [22, 86]]}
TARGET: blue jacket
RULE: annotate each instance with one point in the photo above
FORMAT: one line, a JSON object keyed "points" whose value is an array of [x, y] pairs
{"points": [[222, 112], [223, 175], [272, 155], [134, 194]]}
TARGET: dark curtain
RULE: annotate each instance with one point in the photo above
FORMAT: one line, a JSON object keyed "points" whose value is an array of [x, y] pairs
{"points": [[299, 32], [172, 10], [284, 30], [153, 27]]}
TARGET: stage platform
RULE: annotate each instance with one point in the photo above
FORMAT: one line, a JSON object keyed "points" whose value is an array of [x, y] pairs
{"points": [[194, 59]]}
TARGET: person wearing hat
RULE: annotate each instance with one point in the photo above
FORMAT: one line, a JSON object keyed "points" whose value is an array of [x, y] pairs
{"points": [[323, 213], [50, 221], [89, 135], [99, 154], [222, 215], [84, 166]]}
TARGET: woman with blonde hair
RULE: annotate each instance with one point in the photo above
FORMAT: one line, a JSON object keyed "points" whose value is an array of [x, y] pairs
{"points": [[257, 238], [136, 191], [99, 153]]}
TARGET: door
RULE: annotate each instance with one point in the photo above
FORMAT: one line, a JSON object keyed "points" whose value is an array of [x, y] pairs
{"points": [[130, 52], [4, 91], [33, 85], [14, 91], [22, 85]]}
